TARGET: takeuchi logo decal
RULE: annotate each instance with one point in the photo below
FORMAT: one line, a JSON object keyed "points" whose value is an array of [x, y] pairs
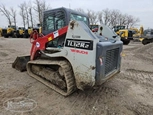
{"points": [[79, 51], [20, 104]]}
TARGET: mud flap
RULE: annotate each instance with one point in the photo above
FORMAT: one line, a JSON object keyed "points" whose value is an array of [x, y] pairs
{"points": [[20, 63]]}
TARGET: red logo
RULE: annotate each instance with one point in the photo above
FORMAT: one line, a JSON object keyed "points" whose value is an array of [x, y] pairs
{"points": [[79, 51]]}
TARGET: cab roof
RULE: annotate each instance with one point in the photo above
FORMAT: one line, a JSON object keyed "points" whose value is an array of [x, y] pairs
{"points": [[67, 10]]}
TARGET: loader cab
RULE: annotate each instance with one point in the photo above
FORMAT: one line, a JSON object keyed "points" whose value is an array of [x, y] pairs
{"points": [[94, 28], [12, 26], [57, 18], [117, 28]]}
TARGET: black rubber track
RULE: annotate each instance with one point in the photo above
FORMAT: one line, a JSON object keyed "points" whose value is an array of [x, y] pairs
{"points": [[68, 74]]}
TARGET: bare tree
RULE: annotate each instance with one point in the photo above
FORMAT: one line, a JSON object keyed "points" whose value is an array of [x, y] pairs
{"points": [[134, 21], [93, 17], [23, 13], [114, 17], [13, 14], [80, 10], [106, 16], [31, 16], [27, 13], [131, 21], [40, 7], [6, 13], [122, 19], [100, 17]]}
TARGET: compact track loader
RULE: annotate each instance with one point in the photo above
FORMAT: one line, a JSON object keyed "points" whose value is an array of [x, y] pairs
{"points": [[125, 34], [148, 37], [69, 56], [10, 31], [20, 32]]}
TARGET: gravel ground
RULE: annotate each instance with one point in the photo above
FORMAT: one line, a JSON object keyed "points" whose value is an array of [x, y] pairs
{"points": [[128, 93]]}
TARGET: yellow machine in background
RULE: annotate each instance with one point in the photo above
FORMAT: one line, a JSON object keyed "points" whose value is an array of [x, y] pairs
{"points": [[28, 32], [3, 31], [20, 32], [138, 33], [10, 32], [38, 28], [125, 34], [0, 32]]}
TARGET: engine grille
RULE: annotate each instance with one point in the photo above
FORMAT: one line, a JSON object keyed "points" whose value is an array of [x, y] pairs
{"points": [[111, 60]]}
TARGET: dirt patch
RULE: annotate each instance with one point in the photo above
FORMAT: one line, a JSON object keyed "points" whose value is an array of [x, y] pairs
{"points": [[145, 52], [138, 77], [140, 109], [128, 93], [11, 93], [3, 54]]}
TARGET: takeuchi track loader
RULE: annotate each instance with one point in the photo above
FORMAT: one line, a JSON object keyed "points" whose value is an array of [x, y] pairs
{"points": [[68, 55]]}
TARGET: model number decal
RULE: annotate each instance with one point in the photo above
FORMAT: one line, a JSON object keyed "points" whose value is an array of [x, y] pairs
{"points": [[80, 44]]}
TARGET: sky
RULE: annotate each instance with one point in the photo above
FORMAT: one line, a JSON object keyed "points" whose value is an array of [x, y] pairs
{"points": [[142, 9]]}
